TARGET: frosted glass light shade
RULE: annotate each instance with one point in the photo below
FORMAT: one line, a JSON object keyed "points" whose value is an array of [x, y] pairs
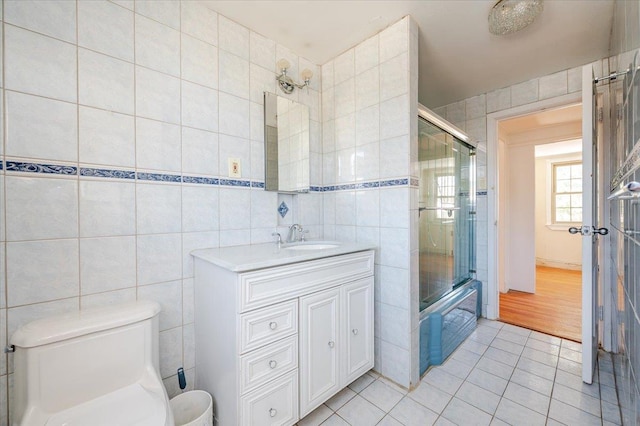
{"points": [[283, 64], [306, 74], [510, 16]]}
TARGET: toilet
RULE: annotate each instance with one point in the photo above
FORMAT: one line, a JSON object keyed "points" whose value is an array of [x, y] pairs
{"points": [[95, 367]]}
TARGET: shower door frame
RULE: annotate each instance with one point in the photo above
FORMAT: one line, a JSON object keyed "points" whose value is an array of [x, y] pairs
{"points": [[437, 121]]}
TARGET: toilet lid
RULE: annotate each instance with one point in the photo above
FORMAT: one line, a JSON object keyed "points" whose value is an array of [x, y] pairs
{"points": [[129, 406]]}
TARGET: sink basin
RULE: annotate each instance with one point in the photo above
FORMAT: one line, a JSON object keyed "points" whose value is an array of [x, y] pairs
{"points": [[312, 245]]}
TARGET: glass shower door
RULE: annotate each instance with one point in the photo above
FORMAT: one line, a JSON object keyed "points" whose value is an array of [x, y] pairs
{"points": [[447, 212]]}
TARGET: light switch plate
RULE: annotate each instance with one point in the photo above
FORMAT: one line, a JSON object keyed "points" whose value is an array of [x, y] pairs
{"points": [[235, 168]]}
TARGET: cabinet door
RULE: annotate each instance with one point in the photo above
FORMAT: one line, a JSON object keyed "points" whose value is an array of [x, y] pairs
{"points": [[357, 302], [319, 346]]}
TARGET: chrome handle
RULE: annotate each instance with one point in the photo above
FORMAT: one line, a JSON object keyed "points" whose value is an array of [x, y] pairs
{"points": [[601, 231], [273, 325], [355, 331], [630, 190], [273, 364], [331, 344], [273, 412], [585, 230]]}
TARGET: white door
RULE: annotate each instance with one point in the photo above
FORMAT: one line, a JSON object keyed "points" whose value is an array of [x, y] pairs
{"points": [[319, 345], [589, 219], [358, 326]]}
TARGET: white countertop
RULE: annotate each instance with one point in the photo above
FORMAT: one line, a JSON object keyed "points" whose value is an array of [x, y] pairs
{"points": [[259, 256]]}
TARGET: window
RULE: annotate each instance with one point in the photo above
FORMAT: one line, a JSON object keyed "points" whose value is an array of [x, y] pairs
{"points": [[567, 192], [446, 198]]}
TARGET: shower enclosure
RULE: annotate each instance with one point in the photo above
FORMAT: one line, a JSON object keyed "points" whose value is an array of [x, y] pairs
{"points": [[449, 300]]}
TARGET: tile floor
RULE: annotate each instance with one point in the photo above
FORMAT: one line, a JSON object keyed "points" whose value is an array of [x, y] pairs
{"points": [[502, 374]]}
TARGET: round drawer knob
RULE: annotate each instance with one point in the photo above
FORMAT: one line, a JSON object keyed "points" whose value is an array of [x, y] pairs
{"points": [[331, 344], [273, 325], [354, 331], [273, 364], [273, 412]]}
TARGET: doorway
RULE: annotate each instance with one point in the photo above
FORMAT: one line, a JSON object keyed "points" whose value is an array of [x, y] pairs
{"points": [[540, 193]]}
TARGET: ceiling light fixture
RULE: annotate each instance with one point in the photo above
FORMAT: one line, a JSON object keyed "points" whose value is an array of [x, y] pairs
{"points": [[510, 16], [286, 83]]}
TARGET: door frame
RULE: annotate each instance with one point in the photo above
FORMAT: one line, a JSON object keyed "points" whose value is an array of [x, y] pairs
{"points": [[493, 290]]}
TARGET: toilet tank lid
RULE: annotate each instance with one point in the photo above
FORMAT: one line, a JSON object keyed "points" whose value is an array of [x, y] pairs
{"points": [[83, 322]]}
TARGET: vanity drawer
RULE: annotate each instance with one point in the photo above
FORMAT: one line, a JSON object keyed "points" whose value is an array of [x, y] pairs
{"points": [[267, 325], [268, 286], [275, 404], [259, 366]]}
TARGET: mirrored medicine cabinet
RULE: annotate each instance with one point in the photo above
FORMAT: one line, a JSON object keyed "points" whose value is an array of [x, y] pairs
{"points": [[286, 144]]}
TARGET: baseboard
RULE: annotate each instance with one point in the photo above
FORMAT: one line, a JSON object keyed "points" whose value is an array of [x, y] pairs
{"points": [[559, 265]]}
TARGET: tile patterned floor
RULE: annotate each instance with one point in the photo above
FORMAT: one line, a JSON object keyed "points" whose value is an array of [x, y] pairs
{"points": [[501, 375]]}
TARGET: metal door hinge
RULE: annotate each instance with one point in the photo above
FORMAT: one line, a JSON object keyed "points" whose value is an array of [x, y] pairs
{"points": [[600, 115], [601, 313]]}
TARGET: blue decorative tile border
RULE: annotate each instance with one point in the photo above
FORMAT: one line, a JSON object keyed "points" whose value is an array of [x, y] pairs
{"points": [[201, 180], [107, 173], [235, 182], [17, 166], [27, 167], [158, 177]]}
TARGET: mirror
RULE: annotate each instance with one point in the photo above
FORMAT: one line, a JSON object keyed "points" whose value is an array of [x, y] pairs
{"points": [[286, 144]]}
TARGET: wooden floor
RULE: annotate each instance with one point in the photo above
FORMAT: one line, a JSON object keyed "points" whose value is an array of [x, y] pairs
{"points": [[554, 309]]}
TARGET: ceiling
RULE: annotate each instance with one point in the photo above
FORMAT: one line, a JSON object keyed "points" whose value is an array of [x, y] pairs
{"points": [[573, 146], [544, 129], [459, 58], [546, 118]]}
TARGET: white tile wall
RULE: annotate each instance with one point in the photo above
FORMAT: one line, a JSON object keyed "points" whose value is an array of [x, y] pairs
{"points": [[105, 82], [41, 128], [55, 19], [158, 145], [164, 87], [366, 138], [27, 53], [106, 137], [107, 28]]}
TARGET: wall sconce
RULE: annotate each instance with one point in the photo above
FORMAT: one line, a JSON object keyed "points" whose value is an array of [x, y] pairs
{"points": [[286, 83]]}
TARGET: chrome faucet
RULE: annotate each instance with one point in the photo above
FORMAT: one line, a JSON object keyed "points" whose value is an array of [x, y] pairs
{"points": [[293, 233]]}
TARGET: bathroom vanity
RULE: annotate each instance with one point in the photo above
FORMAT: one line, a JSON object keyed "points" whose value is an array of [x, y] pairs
{"points": [[281, 329]]}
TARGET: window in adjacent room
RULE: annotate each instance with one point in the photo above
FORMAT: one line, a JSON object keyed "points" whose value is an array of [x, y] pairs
{"points": [[567, 193], [446, 198]]}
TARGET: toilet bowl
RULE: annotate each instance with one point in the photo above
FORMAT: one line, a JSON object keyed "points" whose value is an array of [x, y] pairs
{"points": [[93, 367]]}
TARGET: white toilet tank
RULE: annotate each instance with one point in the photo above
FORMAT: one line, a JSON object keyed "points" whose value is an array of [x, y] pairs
{"points": [[92, 367]]}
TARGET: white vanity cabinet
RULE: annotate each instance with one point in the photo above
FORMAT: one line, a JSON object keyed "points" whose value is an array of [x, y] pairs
{"points": [[336, 335], [274, 343]]}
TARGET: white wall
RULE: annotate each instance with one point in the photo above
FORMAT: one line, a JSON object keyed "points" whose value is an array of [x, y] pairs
{"points": [[369, 112], [554, 247], [520, 267], [126, 113]]}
